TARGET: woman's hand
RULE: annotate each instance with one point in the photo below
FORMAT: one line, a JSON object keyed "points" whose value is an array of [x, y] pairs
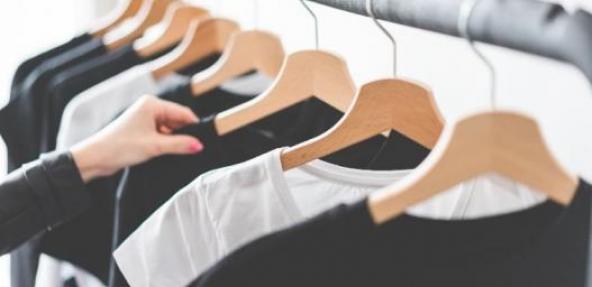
{"points": [[141, 133]]}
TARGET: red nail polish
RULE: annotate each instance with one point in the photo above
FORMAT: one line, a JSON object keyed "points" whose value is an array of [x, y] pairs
{"points": [[196, 147]]}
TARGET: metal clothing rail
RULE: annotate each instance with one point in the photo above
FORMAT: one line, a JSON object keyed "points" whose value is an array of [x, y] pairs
{"points": [[530, 26]]}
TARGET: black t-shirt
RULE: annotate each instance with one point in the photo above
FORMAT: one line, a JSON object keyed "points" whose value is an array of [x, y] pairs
{"points": [[146, 187], [543, 246], [27, 67], [21, 121]]}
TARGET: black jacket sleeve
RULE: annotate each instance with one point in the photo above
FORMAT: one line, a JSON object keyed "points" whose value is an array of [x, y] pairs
{"points": [[38, 197]]}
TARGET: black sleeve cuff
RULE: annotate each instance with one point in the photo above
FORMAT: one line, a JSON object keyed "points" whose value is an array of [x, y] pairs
{"points": [[59, 188]]}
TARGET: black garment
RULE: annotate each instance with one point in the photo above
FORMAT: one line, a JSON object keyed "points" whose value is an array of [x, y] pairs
{"points": [[95, 225], [147, 186], [21, 124], [39, 197], [544, 246], [27, 67], [22, 119]]}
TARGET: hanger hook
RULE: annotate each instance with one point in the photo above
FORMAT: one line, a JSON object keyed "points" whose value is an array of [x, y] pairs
{"points": [[370, 12], [466, 11], [316, 22]]}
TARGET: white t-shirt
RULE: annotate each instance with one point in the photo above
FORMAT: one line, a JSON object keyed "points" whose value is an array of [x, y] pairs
{"points": [[226, 208], [96, 107]]}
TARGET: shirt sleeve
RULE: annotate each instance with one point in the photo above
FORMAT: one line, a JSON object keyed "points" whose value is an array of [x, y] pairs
{"points": [[174, 245], [38, 197]]}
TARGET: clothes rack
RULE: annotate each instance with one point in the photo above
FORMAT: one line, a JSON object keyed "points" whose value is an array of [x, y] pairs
{"points": [[534, 27]]}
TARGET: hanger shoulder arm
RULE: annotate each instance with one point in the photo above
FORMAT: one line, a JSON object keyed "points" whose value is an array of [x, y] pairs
{"points": [[177, 24], [150, 14], [246, 51], [505, 143], [354, 127], [203, 39], [279, 97], [120, 14]]}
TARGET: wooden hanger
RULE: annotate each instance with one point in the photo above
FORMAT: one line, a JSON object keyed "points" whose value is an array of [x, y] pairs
{"points": [[506, 143], [246, 51], [380, 106], [304, 74], [150, 13], [201, 40], [176, 21], [123, 11]]}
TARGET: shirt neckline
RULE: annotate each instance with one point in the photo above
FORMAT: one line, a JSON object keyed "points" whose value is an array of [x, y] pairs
{"points": [[325, 171]]}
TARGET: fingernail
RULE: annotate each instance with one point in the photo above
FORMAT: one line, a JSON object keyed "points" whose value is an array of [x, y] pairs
{"points": [[196, 147]]}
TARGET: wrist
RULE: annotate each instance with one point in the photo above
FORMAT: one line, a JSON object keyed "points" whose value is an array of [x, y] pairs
{"points": [[89, 162]]}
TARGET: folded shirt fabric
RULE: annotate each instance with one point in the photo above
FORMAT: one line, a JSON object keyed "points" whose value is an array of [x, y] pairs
{"points": [[547, 245]]}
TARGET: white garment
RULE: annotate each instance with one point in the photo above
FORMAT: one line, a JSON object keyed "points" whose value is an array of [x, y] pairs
{"points": [[226, 208], [96, 107]]}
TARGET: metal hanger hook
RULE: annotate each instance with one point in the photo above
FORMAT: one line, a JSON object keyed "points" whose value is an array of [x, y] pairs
{"points": [[316, 22], [370, 11], [464, 18]]}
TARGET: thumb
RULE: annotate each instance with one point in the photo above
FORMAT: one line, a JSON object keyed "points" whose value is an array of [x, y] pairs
{"points": [[179, 144]]}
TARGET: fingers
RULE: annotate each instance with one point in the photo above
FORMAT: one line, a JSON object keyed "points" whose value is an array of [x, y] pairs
{"points": [[178, 144], [173, 115], [165, 130]]}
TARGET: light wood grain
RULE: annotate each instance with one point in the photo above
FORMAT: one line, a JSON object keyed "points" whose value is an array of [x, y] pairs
{"points": [[203, 39], [391, 104], [123, 11], [507, 143], [304, 74], [247, 51], [176, 22], [150, 13]]}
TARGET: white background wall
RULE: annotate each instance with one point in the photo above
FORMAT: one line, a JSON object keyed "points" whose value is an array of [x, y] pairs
{"points": [[556, 94]]}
